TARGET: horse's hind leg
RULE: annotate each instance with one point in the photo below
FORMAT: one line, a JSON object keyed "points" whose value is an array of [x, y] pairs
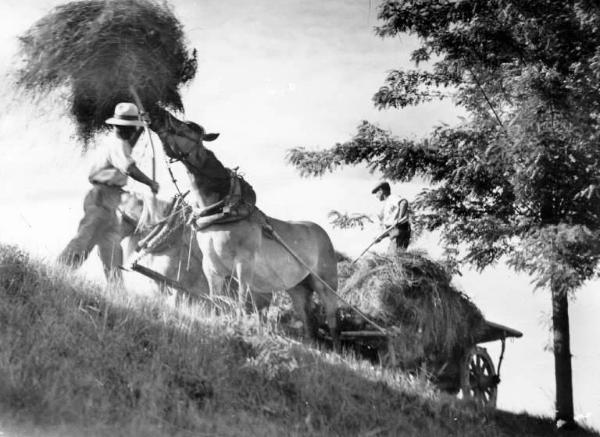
{"points": [[330, 302], [259, 303], [301, 300]]}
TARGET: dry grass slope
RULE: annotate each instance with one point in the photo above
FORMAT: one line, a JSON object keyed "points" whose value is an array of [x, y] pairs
{"points": [[78, 359]]}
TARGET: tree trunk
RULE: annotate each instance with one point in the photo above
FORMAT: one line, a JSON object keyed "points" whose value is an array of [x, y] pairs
{"points": [[562, 357]]}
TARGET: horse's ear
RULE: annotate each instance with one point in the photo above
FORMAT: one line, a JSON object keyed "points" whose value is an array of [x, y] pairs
{"points": [[210, 137]]}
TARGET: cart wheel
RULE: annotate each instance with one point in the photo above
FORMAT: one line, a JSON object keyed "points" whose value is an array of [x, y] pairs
{"points": [[479, 379]]}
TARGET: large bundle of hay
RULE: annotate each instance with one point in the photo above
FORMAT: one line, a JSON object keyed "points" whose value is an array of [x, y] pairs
{"points": [[98, 48], [435, 321]]}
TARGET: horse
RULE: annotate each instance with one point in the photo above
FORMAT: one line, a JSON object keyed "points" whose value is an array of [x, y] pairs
{"points": [[177, 256], [264, 254]]}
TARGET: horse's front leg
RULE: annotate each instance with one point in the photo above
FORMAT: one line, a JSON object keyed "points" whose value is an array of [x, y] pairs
{"points": [[250, 299], [244, 274], [215, 282]]}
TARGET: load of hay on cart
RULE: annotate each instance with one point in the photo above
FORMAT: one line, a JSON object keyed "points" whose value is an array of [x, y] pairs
{"points": [[417, 321], [471, 373]]}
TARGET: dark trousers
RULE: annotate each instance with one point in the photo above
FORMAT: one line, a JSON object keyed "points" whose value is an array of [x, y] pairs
{"points": [[400, 242]]}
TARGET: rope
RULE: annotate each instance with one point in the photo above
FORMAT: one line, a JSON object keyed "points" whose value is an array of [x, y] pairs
{"points": [[189, 260], [172, 175]]}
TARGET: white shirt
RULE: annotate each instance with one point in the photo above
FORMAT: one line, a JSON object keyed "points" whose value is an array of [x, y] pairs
{"points": [[111, 163], [391, 210]]}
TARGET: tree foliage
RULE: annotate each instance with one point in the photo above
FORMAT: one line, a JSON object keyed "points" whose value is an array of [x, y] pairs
{"points": [[347, 221], [519, 178]]}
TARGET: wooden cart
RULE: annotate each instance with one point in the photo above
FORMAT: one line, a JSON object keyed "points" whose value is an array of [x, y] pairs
{"points": [[471, 374]]}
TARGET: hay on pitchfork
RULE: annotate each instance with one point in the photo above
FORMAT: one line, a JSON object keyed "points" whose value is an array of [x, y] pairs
{"points": [[413, 293], [98, 48]]}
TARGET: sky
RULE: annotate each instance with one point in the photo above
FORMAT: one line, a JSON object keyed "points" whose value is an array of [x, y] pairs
{"points": [[273, 76]]}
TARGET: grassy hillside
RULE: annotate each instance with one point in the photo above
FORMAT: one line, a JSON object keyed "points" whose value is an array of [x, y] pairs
{"points": [[79, 359]]}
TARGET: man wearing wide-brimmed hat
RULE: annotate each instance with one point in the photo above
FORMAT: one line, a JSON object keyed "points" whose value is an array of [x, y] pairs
{"points": [[101, 223], [394, 217]]}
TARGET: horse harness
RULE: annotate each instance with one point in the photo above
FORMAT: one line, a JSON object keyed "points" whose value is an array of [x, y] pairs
{"points": [[238, 204]]}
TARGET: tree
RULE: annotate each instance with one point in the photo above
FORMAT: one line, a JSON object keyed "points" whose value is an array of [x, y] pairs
{"points": [[518, 179]]}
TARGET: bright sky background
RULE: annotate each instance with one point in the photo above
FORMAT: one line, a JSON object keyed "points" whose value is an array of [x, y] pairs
{"points": [[272, 76]]}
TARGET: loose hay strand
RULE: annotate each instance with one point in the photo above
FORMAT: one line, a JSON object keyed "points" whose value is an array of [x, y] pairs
{"points": [[98, 49]]}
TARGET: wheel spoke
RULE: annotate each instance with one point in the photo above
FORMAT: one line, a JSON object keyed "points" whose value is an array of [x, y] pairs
{"points": [[481, 374]]}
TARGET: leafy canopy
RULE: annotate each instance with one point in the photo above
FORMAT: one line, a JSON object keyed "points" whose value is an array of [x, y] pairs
{"points": [[520, 176]]}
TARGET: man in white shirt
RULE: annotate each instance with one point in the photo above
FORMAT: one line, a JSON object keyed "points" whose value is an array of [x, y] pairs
{"points": [[394, 218], [101, 223]]}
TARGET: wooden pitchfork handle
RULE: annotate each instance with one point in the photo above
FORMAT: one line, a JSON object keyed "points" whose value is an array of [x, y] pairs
{"points": [[376, 240], [144, 120]]}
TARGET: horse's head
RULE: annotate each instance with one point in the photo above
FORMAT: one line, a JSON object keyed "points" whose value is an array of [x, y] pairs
{"points": [[184, 141], [181, 139]]}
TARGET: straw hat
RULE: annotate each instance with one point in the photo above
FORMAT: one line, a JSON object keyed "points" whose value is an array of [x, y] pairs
{"points": [[126, 114]]}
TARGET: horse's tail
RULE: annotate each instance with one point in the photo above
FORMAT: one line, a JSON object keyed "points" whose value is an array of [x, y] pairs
{"points": [[150, 215]]}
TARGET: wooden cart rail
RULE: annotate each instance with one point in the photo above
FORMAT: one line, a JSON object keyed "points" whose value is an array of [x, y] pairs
{"points": [[495, 331], [348, 335], [491, 332]]}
